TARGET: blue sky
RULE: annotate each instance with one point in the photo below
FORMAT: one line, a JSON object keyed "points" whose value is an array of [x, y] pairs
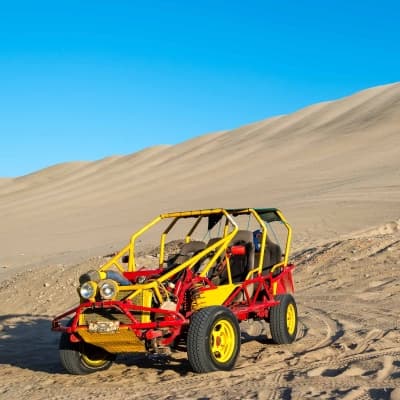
{"points": [[81, 80]]}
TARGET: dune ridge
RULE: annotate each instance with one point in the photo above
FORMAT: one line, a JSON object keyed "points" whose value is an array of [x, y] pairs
{"points": [[320, 164]]}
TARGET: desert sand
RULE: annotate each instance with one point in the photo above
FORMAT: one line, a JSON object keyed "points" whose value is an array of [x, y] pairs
{"points": [[333, 168]]}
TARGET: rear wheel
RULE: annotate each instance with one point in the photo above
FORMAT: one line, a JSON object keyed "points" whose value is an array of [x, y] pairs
{"points": [[82, 358], [283, 320], [213, 341]]}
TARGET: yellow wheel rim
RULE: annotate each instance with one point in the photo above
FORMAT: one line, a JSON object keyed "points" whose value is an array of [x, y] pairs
{"points": [[222, 341], [291, 319], [92, 360], [92, 363]]}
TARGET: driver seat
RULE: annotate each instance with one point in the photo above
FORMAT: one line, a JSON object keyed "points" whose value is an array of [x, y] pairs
{"points": [[241, 264]]}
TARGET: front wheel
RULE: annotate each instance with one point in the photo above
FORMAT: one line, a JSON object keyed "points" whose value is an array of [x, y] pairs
{"points": [[213, 341], [283, 320], [82, 358]]}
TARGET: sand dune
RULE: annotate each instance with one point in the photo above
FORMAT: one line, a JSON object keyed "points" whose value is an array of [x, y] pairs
{"points": [[333, 168]]}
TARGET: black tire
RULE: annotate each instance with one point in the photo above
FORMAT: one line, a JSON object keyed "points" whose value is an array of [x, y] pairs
{"points": [[213, 341], [283, 320], [82, 358]]}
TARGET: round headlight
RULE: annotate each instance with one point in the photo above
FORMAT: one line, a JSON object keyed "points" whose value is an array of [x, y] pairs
{"points": [[108, 289], [88, 290]]}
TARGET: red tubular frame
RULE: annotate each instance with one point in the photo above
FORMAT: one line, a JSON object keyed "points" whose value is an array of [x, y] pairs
{"points": [[284, 284], [174, 320], [250, 306]]}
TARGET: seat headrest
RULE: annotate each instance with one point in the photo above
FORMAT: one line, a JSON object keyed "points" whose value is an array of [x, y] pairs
{"points": [[243, 236], [192, 247]]}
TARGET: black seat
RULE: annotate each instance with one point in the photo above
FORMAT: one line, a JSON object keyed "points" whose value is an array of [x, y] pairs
{"points": [[187, 251], [206, 259], [213, 241], [243, 263], [273, 255]]}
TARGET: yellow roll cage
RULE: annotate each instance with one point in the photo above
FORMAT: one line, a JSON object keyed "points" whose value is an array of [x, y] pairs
{"points": [[213, 251]]}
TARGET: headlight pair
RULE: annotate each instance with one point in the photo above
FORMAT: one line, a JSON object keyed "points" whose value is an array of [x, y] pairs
{"points": [[88, 290], [108, 289]]}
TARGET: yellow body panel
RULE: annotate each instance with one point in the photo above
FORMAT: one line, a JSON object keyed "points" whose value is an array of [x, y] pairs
{"points": [[274, 287], [122, 341], [146, 302], [213, 297]]}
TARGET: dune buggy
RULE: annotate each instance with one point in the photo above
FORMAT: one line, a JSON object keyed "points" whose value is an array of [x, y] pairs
{"points": [[220, 275]]}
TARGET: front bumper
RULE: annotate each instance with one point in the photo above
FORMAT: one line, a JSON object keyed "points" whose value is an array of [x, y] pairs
{"points": [[131, 334]]}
